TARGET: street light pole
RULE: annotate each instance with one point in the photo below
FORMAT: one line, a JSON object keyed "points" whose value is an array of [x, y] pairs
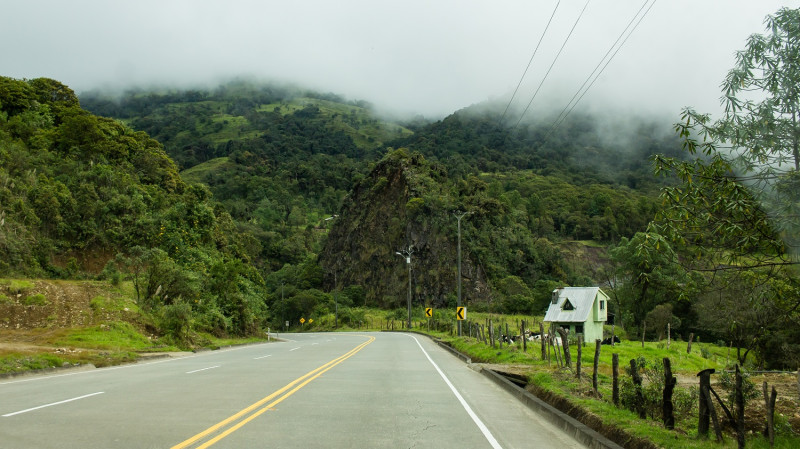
{"points": [[407, 254], [459, 215]]}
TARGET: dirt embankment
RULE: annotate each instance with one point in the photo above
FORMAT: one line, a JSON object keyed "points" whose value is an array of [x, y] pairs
{"points": [[32, 310]]}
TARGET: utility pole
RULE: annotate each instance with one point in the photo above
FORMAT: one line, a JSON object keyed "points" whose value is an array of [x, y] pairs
{"points": [[335, 302], [283, 307], [459, 215], [407, 254]]}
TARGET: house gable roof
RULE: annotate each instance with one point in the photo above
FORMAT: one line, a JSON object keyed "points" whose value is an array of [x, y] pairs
{"points": [[582, 300]]}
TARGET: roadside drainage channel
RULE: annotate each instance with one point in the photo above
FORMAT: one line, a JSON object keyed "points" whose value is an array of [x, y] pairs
{"points": [[579, 431]]}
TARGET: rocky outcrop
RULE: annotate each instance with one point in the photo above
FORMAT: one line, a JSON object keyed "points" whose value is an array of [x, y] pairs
{"points": [[400, 205]]}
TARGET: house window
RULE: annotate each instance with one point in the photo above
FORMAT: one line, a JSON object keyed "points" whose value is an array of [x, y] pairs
{"points": [[579, 328], [602, 305], [567, 305]]}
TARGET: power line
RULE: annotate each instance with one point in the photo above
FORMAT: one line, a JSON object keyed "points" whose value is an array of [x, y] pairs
{"points": [[553, 63], [599, 63], [530, 61], [561, 117]]}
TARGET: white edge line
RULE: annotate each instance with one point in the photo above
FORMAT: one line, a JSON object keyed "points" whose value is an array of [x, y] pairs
{"points": [[202, 369], [262, 357], [478, 422], [294, 349], [52, 404]]}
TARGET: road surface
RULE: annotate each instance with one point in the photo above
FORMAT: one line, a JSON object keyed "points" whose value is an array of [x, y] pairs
{"points": [[331, 390]]}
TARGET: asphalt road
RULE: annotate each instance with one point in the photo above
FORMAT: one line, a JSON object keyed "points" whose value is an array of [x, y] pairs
{"points": [[327, 390]]}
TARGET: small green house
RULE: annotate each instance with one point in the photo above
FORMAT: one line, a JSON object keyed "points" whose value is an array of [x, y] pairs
{"points": [[582, 310]]}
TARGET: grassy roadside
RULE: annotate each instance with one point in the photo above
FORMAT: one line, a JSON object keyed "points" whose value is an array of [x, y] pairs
{"points": [[47, 324], [547, 379]]}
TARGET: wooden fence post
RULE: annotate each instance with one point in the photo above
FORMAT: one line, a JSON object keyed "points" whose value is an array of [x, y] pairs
{"points": [[522, 334], [553, 344], [644, 332], [739, 395], [668, 335], [597, 344], [565, 346], [544, 354], [637, 385], [669, 386], [689, 345], [769, 406], [578, 361], [615, 378], [705, 402]]}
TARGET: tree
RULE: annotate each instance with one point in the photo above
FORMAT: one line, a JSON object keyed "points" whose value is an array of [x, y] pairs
{"points": [[647, 268], [733, 217], [740, 199]]}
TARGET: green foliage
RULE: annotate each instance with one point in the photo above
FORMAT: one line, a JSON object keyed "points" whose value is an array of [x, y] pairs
{"points": [[112, 335], [18, 286], [727, 381], [684, 399], [35, 300], [176, 320], [733, 216], [650, 275], [5, 300], [12, 363]]}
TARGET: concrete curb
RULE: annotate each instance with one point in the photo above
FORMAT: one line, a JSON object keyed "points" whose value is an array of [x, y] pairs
{"points": [[581, 432]]}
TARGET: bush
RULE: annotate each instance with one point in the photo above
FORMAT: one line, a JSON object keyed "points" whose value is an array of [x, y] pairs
{"points": [[16, 286], [35, 300], [97, 303], [5, 299], [214, 322], [176, 320], [728, 382], [684, 401]]}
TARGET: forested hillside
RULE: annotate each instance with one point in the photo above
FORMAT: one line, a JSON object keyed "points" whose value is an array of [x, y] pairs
{"points": [[85, 196], [282, 161]]}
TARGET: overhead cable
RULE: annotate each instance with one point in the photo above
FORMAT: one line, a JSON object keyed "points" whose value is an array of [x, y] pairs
{"points": [[562, 116], [530, 61], [553, 63]]}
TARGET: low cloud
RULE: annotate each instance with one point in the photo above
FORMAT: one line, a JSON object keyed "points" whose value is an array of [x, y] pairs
{"points": [[413, 56]]}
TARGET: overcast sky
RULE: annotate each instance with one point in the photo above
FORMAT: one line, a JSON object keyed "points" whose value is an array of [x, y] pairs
{"points": [[430, 57]]}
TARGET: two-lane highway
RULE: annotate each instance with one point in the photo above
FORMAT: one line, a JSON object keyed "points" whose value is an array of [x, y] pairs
{"points": [[338, 390]]}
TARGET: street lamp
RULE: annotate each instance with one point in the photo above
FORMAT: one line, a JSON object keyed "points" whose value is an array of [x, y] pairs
{"points": [[407, 254], [459, 215]]}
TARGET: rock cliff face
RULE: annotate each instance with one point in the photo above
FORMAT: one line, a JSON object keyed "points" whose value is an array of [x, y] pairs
{"points": [[401, 204]]}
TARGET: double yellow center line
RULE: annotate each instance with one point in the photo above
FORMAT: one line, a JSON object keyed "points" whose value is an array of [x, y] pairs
{"points": [[233, 423]]}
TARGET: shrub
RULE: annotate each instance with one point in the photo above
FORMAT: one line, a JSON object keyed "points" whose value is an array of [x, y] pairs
{"points": [[97, 303], [16, 286], [5, 299], [728, 382], [35, 300], [176, 320], [214, 322], [684, 400]]}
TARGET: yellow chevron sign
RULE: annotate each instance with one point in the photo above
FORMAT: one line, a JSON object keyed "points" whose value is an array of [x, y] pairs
{"points": [[429, 312], [461, 313]]}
